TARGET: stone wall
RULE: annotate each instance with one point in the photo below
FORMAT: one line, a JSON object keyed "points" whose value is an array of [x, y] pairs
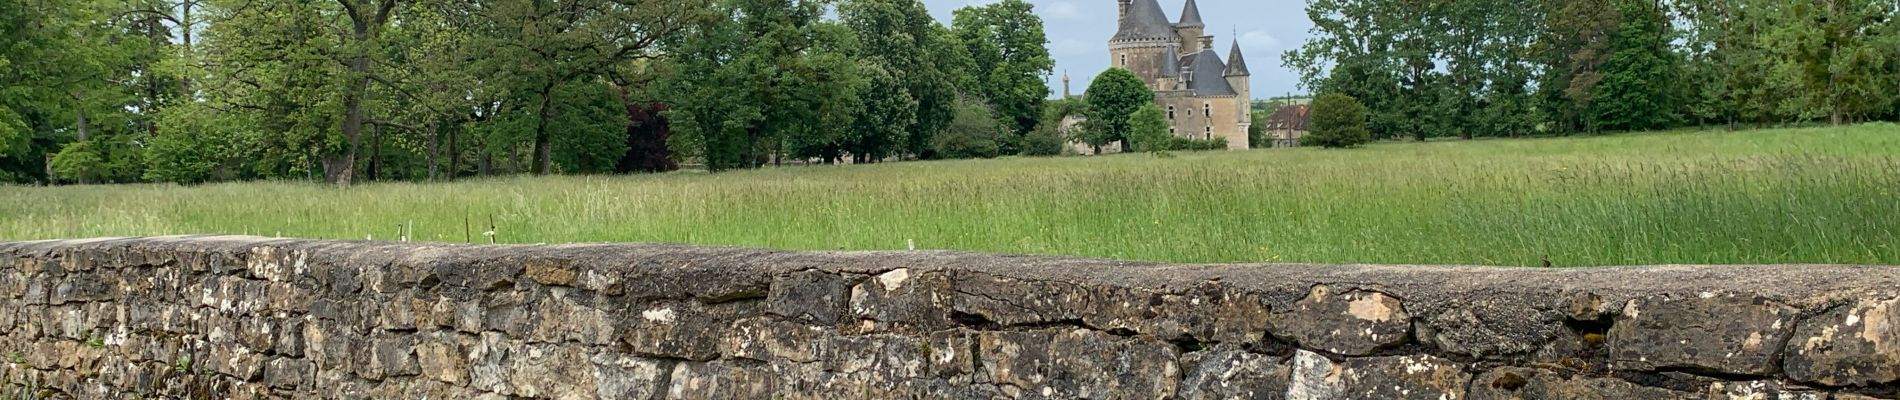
{"points": [[237, 317]]}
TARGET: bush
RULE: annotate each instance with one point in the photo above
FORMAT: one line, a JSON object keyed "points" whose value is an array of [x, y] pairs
{"points": [[1190, 144], [1043, 142], [1148, 130], [78, 162], [973, 133], [1339, 121]]}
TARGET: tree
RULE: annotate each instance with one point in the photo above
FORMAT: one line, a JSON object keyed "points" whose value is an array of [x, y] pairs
{"points": [[1010, 55], [1113, 96], [1636, 89], [1571, 49], [1836, 55], [770, 76], [884, 120], [540, 45], [1148, 129], [1338, 121], [899, 37]]}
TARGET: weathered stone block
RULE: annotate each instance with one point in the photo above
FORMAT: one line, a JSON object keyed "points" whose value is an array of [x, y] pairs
{"points": [[1726, 333], [550, 271], [817, 297], [1353, 322], [1227, 372], [442, 357], [555, 372], [1420, 377], [1079, 363], [1513, 383], [1852, 345]]}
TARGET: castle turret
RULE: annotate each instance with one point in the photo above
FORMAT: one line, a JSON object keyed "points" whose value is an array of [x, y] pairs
{"points": [[1242, 81], [1190, 26], [1143, 36]]}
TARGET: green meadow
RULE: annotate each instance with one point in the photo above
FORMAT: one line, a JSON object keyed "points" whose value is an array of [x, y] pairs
{"points": [[1811, 195]]}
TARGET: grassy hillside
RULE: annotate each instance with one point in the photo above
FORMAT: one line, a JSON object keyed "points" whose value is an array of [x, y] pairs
{"points": [[1823, 195]]}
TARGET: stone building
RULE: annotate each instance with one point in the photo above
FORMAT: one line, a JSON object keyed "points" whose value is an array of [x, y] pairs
{"points": [[1204, 97], [1288, 125]]}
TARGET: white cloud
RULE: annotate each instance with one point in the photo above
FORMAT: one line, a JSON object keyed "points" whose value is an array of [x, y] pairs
{"points": [[1063, 10], [1259, 40]]}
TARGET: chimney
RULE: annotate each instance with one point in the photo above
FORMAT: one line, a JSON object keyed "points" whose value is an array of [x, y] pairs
{"points": [[1125, 4], [1207, 42]]}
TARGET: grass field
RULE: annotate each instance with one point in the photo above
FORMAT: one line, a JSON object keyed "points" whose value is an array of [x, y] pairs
{"points": [[1821, 195]]}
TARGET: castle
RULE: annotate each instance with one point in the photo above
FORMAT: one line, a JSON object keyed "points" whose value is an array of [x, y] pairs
{"points": [[1204, 97]]}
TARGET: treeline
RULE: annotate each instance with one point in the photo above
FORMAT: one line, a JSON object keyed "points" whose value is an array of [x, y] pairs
{"points": [[101, 91], [1471, 68]]}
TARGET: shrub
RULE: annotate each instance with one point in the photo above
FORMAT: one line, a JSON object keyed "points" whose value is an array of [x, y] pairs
{"points": [[973, 133], [1339, 121], [1043, 142], [1148, 130], [1191, 144], [78, 162]]}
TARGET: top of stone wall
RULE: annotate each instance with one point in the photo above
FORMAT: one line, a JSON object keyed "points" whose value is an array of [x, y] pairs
{"points": [[1795, 284]]}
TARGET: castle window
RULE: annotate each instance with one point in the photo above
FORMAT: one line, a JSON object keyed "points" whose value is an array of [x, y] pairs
{"points": [[1170, 113], [1124, 61], [1207, 109], [1170, 131], [1207, 133]]}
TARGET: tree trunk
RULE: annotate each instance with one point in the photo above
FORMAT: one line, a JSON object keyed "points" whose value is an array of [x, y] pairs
{"points": [[543, 143], [455, 153], [84, 127], [435, 148], [375, 154], [341, 168], [83, 124]]}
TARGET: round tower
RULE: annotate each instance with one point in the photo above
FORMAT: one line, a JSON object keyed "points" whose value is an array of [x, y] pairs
{"points": [[1141, 43], [1242, 81], [1190, 29]]}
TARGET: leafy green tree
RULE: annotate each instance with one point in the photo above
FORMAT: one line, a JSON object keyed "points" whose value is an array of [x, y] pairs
{"points": [[768, 72], [1010, 55], [540, 45], [1148, 129], [1113, 96], [900, 37], [1338, 121], [882, 123], [1571, 49], [1636, 89], [1835, 54]]}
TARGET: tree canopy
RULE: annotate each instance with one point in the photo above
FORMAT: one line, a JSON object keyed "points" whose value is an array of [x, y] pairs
{"points": [[1508, 68]]}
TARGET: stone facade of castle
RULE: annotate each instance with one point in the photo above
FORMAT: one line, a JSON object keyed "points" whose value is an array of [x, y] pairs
{"points": [[1204, 97]]}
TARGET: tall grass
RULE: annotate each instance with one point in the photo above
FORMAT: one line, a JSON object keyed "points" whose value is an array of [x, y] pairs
{"points": [[1822, 195]]}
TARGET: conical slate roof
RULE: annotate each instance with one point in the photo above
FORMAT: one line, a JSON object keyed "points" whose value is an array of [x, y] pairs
{"points": [[1236, 63], [1145, 21], [1204, 82], [1191, 15]]}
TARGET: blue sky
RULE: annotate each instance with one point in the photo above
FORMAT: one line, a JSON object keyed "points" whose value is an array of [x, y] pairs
{"points": [[1079, 30]]}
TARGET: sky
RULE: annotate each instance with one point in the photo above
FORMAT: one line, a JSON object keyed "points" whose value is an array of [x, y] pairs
{"points": [[1079, 30]]}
